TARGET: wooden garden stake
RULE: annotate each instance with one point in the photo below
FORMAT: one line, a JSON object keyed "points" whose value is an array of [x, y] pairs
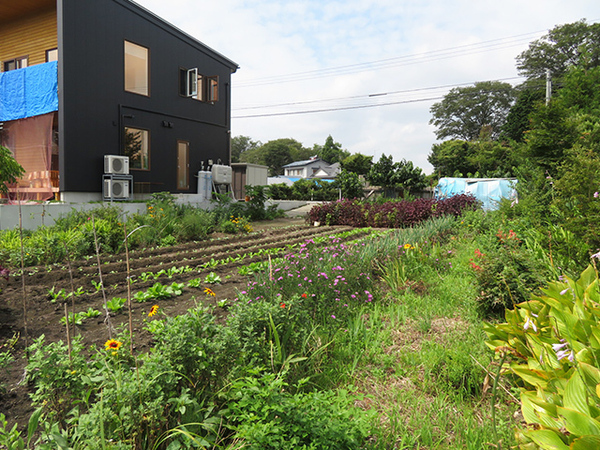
{"points": [[128, 288], [23, 279], [68, 334], [107, 315]]}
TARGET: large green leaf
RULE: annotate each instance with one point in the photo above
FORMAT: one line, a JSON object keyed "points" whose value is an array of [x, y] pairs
{"points": [[533, 377], [575, 395], [586, 443], [547, 439], [579, 424], [535, 410]]}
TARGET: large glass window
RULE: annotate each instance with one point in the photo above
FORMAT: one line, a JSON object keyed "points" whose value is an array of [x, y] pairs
{"points": [[136, 69], [137, 147]]}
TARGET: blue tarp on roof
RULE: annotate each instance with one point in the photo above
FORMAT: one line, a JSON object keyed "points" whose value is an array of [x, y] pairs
{"points": [[28, 92], [489, 191]]}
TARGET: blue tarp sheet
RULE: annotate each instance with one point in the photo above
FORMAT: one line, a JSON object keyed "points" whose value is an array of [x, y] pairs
{"points": [[489, 191], [28, 92]]}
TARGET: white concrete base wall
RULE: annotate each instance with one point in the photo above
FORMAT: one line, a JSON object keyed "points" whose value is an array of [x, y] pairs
{"points": [[34, 216]]}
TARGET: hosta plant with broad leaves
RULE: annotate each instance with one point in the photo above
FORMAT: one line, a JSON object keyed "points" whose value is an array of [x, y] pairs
{"points": [[552, 344]]}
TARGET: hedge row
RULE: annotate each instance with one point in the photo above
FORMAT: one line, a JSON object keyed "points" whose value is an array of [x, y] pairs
{"points": [[393, 214]]}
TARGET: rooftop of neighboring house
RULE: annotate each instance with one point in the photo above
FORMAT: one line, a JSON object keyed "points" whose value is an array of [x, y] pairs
{"points": [[306, 162]]}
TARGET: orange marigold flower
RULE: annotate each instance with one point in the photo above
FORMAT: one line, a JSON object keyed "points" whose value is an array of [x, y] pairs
{"points": [[112, 344], [209, 291], [153, 311]]}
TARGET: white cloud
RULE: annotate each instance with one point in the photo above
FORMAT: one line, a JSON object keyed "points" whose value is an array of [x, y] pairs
{"points": [[272, 38]]}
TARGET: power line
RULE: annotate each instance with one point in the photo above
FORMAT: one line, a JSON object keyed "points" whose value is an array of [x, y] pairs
{"points": [[434, 55], [380, 94], [341, 108]]}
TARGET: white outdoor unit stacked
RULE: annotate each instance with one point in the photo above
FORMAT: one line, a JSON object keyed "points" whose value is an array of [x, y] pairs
{"points": [[117, 183]]}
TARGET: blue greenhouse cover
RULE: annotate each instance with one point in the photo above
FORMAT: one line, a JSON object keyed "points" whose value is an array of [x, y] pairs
{"points": [[489, 191], [28, 92]]}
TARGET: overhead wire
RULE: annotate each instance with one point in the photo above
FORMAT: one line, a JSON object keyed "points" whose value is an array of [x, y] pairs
{"points": [[417, 58]]}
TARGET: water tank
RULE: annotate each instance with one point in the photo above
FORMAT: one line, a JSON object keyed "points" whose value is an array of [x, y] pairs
{"points": [[205, 184], [221, 174]]}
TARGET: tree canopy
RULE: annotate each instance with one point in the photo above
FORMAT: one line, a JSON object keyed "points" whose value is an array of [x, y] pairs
{"points": [[464, 111], [241, 144], [10, 169], [357, 163], [401, 175], [565, 46], [276, 154], [332, 152]]}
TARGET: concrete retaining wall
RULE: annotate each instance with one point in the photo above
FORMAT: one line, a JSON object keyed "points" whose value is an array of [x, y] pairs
{"points": [[34, 216]]}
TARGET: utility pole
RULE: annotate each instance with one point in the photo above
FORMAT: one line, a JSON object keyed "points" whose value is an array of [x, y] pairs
{"points": [[548, 86]]}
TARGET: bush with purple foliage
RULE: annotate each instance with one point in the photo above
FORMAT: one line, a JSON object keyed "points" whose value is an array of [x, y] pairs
{"points": [[392, 214]]}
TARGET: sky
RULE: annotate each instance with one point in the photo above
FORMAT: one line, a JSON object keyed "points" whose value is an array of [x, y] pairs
{"points": [[364, 72]]}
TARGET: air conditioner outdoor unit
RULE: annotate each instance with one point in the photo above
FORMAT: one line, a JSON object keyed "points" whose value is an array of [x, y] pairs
{"points": [[116, 164], [116, 189]]}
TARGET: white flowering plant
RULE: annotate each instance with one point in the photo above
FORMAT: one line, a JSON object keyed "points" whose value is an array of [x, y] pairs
{"points": [[552, 344]]}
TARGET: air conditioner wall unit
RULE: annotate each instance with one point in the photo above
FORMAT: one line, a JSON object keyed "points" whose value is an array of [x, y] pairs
{"points": [[116, 189], [116, 164]]}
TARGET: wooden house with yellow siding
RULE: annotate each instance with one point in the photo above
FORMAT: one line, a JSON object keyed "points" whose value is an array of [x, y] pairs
{"points": [[83, 79]]}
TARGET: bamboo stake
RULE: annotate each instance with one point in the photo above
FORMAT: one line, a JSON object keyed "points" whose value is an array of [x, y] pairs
{"points": [[72, 299], [23, 279], [128, 288], [107, 314], [68, 334]]}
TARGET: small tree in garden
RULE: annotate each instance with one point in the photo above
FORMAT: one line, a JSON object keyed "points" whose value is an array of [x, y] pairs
{"points": [[393, 176], [350, 185], [10, 169]]}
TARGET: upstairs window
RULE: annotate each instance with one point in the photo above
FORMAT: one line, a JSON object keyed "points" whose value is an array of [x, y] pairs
{"points": [[213, 89], [197, 86], [17, 63], [136, 69], [52, 55]]}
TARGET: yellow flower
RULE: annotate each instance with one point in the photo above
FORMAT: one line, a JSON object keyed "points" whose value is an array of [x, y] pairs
{"points": [[153, 311], [112, 344], [209, 291], [407, 246]]}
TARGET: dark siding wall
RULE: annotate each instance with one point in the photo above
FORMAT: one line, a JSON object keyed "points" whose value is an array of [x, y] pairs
{"points": [[93, 99]]}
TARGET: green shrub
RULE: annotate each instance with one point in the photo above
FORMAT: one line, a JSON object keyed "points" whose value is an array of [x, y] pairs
{"points": [[507, 273], [266, 332], [196, 224], [265, 415]]}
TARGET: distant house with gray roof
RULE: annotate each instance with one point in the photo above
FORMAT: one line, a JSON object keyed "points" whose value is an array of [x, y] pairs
{"points": [[307, 169]]}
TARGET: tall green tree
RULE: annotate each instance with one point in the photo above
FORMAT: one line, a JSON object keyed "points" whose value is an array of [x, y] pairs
{"points": [[565, 46], [10, 169], [332, 152], [393, 177], [241, 144], [357, 163], [464, 111], [275, 154], [481, 158], [350, 185], [518, 119]]}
